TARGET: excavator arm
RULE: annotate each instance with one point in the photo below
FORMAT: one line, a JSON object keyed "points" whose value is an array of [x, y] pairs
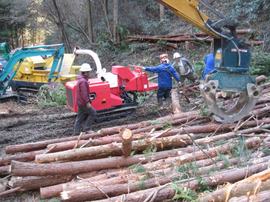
{"points": [[55, 50], [231, 58]]}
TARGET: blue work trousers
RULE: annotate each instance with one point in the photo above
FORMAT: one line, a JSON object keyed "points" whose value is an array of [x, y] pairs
{"points": [[164, 93]]}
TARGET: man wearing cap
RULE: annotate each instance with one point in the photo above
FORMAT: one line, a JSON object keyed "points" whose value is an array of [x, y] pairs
{"points": [[85, 109], [183, 67], [165, 73]]}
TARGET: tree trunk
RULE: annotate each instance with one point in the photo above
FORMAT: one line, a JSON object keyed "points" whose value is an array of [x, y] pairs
{"points": [[241, 187], [176, 108], [115, 21], [89, 21], [10, 191], [61, 26], [114, 148], [30, 156], [161, 12], [43, 144], [105, 10], [120, 177], [82, 193], [68, 168], [35, 182], [126, 137], [262, 196], [4, 170], [166, 192]]}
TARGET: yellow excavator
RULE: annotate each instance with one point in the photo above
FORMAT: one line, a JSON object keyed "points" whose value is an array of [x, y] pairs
{"points": [[35, 71], [31, 67], [231, 59]]}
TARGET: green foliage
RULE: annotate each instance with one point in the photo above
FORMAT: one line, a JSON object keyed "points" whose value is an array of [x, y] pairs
{"points": [[149, 151], [161, 42], [203, 186], [224, 159], [122, 31], [142, 97], [108, 45], [187, 194], [204, 111], [138, 47], [51, 95], [247, 11], [219, 142], [50, 200], [199, 68], [260, 64], [240, 150], [156, 27]]}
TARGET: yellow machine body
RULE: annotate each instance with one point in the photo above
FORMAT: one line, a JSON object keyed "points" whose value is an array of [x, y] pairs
{"points": [[37, 69]]}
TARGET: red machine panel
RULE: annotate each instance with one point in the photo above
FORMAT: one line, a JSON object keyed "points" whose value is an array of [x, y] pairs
{"points": [[99, 93]]}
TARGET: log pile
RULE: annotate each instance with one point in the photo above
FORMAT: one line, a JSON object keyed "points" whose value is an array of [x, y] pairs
{"points": [[183, 154], [172, 40]]}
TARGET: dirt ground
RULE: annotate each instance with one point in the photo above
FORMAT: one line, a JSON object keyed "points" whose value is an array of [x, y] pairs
{"points": [[23, 123]]}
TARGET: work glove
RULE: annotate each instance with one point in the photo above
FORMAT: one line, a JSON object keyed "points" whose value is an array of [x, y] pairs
{"points": [[179, 84], [143, 68], [88, 105]]}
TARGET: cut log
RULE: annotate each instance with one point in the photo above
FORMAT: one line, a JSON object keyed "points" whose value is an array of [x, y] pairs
{"points": [[93, 152], [240, 188], [82, 193], [260, 79], [166, 192], [262, 196], [35, 182], [106, 179], [114, 130], [68, 168], [4, 170], [176, 108], [10, 191], [43, 144], [30, 156], [126, 137]]}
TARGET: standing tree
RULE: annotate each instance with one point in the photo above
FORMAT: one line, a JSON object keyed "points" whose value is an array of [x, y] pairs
{"points": [[115, 21], [89, 20]]}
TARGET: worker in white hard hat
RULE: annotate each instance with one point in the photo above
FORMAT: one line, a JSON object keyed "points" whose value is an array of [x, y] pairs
{"points": [[165, 74], [82, 100], [183, 67]]}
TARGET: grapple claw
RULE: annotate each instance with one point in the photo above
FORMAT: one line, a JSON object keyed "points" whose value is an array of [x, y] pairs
{"points": [[246, 102]]}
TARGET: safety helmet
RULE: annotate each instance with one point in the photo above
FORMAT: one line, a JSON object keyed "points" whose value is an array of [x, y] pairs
{"points": [[85, 67], [164, 58], [1, 64], [176, 55]]}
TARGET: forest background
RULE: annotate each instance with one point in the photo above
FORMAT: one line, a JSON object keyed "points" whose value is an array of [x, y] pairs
{"points": [[101, 25]]}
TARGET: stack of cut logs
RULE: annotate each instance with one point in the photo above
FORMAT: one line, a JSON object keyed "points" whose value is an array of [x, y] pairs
{"points": [[144, 161], [172, 40]]}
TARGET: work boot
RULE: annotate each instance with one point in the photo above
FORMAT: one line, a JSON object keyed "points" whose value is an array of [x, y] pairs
{"points": [[168, 102], [160, 102]]}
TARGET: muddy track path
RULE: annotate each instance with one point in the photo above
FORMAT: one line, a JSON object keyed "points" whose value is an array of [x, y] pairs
{"points": [[24, 124]]}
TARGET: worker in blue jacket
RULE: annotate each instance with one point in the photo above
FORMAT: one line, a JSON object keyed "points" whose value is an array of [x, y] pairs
{"points": [[165, 73], [209, 64]]}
